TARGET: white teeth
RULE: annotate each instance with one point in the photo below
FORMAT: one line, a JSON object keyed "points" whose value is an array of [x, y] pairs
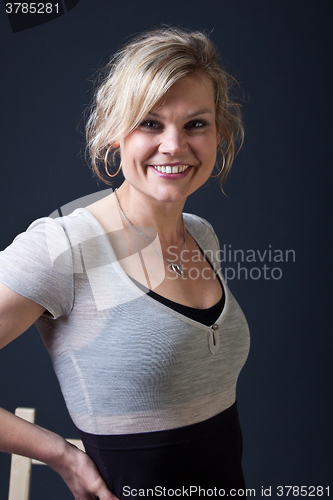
{"points": [[171, 169]]}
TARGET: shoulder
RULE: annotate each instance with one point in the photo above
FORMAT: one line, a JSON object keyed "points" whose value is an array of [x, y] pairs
{"points": [[201, 230], [41, 262], [48, 233], [78, 226], [204, 235]]}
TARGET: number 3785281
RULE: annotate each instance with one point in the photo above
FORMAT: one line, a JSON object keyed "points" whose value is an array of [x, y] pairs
{"points": [[303, 491], [32, 8]]}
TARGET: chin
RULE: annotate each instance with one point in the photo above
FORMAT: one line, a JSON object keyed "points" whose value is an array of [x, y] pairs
{"points": [[169, 195]]}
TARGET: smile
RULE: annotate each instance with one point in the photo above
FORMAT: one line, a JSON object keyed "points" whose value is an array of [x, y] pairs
{"points": [[168, 169]]}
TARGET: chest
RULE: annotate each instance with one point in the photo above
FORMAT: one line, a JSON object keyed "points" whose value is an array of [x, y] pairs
{"points": [[151, 264]]}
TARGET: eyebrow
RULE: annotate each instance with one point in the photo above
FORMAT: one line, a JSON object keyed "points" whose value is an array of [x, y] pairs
{"points": [[190, 115]]}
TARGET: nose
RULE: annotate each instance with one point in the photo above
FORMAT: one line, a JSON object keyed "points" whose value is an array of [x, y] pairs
{"points": [[173, 141]]}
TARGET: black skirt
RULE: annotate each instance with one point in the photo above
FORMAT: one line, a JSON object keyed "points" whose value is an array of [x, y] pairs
{"points": [[194, 461]]}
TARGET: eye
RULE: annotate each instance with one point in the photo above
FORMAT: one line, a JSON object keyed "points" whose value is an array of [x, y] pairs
{"points": [[196, 124], [150, 125]]}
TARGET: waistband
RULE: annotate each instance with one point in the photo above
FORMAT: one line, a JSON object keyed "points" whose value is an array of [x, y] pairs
{"points": [[212, 426]]}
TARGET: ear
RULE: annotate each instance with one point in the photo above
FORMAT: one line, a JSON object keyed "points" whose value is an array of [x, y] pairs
{"points": [[115, 145], [218, 138]]}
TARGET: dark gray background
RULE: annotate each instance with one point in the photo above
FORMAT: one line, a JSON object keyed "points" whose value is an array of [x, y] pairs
{"points": [[278, 194]]}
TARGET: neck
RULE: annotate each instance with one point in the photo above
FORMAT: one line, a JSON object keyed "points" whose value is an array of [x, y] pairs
{"points": [[143, 210]]}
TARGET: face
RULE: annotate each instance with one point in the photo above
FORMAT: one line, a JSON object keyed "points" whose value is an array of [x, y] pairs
{"points": [[173, 151]]}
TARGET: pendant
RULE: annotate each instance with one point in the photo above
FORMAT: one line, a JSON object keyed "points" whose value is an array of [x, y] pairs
{"points": [[177, 269]]}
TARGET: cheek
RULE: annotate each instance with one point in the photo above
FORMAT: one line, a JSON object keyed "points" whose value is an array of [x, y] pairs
{"points": [[136, 150], [207, 149]]}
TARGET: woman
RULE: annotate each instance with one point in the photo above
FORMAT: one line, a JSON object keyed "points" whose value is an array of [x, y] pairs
{"points": [[145, 337]]}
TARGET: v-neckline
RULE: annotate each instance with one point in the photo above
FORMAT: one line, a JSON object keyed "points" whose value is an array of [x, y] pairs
{"points": [[139, 290]]}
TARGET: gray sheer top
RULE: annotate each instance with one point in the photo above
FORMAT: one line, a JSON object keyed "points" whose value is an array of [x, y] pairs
{"points": [[126, 363]]}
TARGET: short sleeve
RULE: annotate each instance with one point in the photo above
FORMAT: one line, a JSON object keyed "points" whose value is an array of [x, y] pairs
{"points": [[38, 265]]}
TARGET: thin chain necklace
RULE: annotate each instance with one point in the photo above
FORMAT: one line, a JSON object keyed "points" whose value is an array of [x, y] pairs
{"points": [[177, 268]]}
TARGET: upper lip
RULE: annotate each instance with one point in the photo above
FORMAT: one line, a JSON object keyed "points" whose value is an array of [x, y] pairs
{"points": [[171, 164]]}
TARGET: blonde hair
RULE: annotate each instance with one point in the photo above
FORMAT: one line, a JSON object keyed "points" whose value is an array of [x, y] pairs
{"points": [[140, 74]]}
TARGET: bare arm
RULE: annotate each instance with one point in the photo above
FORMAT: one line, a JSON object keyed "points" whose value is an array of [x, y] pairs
{"points": [[17, 314], [23, 438]]}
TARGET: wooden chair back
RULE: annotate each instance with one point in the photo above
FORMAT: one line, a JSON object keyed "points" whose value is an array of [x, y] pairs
{"points": [[20, 469]]}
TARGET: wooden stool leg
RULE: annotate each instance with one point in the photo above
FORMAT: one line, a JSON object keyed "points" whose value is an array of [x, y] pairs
{"points": [[20, 470]]}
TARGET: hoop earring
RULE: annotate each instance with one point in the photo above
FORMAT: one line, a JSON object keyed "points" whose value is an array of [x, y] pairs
{"points": [[106, 163], [223, 163]]}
